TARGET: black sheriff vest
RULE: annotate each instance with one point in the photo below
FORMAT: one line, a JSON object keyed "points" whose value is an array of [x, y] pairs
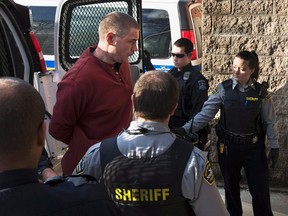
{"points": [[240, 112], [146, 186]]}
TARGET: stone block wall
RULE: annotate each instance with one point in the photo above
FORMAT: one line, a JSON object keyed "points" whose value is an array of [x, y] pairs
{"points": [[233, 25]]}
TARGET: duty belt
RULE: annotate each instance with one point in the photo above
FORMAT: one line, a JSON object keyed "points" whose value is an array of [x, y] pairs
{"points": [[241, 139]]}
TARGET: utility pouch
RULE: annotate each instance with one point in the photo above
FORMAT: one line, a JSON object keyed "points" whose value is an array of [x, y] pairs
{"points": [[221, 147]]}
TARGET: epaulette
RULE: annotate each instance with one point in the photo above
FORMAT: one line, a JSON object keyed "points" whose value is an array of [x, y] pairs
{"points": [[226, 84]]}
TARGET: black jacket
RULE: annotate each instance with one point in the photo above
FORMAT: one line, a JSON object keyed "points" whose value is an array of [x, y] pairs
{"points": [[22, 194], [193, 88]]}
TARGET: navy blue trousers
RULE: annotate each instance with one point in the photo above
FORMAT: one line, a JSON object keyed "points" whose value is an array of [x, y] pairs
{"points": [[252, 158]]}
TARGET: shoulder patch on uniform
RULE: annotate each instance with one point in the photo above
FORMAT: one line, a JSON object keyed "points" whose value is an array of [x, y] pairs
{"points": [[80, 167], [208, 174], [268, 96], [215, 90], [202, 85]]}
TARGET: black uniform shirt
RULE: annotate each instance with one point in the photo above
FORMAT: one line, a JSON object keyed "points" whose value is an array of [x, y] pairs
{"points": [[22, 194], [193, 93]]}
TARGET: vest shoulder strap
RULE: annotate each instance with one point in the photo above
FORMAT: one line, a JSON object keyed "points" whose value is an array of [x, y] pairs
{"points": [[227, 84], [108, 145], [183, 150]]}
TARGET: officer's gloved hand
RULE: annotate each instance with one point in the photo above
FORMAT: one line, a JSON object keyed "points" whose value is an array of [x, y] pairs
{"points": [[192, 137], [179, 131], [273, 157]]}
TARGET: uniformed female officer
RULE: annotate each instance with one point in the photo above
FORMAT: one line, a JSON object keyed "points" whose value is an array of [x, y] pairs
{"points": [[246, 116]]}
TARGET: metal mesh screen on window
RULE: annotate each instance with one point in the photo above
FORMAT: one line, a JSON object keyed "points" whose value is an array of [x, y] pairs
{"points": [[4, 62], [84, 19]]}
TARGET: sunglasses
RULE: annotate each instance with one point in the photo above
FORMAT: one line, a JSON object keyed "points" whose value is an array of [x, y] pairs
{"points": [[178, 55]]}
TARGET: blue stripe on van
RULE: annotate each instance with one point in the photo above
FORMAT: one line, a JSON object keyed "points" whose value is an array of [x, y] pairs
{"points": [[163, 67], [168, 67], [50, 63]]}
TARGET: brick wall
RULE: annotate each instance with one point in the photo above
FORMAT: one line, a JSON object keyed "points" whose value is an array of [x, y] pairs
{"points": [[261, 25]]}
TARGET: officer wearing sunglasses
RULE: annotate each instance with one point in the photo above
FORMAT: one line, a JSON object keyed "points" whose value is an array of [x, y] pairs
{"points": [[193, 87]]}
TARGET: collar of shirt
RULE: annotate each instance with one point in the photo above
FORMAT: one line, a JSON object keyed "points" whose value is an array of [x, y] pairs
{"points": [[186, 68], [156, 141], [13, 178], [241, 88], [150, 125]]}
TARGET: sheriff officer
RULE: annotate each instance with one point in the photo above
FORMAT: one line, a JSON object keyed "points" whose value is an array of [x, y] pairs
{"points": [[193, 88], [247, 116], [146, 169]]}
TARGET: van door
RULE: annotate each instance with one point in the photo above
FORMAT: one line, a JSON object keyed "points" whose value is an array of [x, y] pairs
{"points": [[76, 28], [17, 58], [195, 11]]}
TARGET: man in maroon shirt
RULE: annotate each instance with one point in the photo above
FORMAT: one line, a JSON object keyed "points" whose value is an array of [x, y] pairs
{"points": [[94, 96]]}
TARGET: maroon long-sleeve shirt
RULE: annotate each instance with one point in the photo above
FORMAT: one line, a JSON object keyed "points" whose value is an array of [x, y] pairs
{"points": [[93, 103]]}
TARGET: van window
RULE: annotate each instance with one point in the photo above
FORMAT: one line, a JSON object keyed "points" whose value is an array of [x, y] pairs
{"points": [[155, 23], [196, 14], [156, 33], [43, 26], [9, 64], [85, 22]]}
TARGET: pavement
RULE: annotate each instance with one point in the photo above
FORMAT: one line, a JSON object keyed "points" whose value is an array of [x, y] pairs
{"points": [[278, 197]]}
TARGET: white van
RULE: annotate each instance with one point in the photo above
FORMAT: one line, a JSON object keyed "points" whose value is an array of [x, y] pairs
{"points": [[163, 22], [66, 28]]}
